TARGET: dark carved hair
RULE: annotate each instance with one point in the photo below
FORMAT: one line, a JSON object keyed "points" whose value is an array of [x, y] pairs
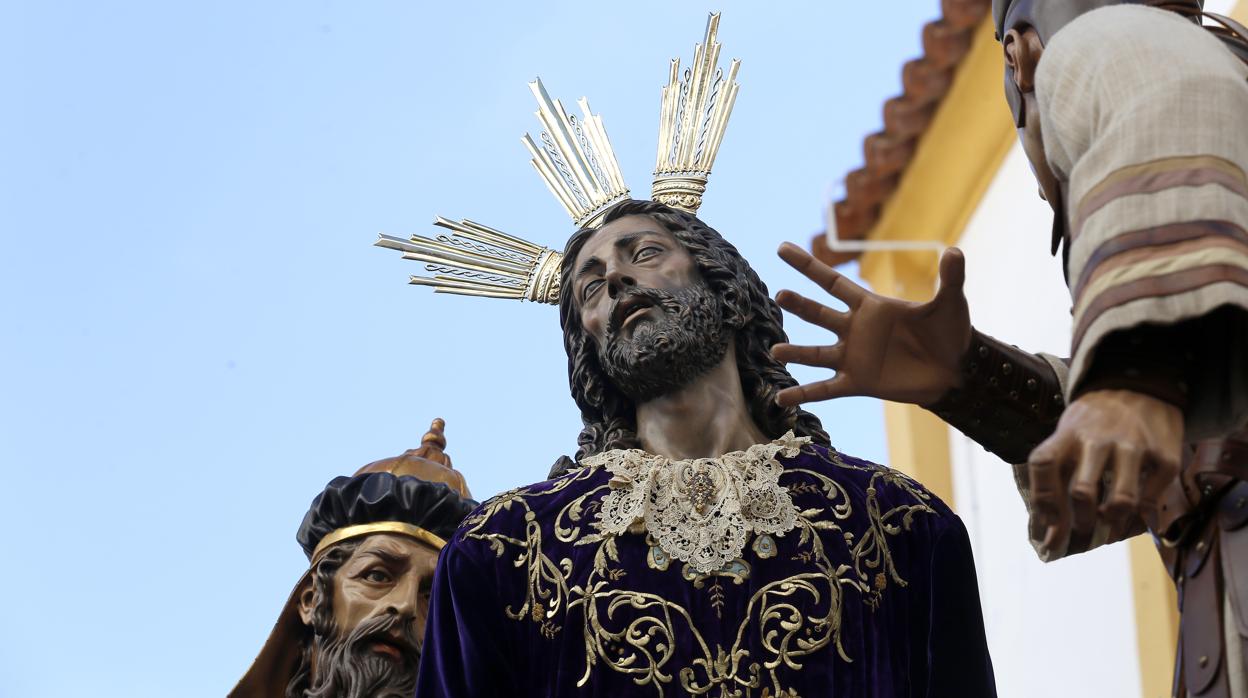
{"points": [[749, 312], [322, 613]]}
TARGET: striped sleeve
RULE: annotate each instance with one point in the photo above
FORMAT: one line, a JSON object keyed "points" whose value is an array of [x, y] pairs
{"points": [[1145, 120]]}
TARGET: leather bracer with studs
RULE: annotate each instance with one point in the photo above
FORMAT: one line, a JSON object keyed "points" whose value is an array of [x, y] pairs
{"points": [[1009, 401]]}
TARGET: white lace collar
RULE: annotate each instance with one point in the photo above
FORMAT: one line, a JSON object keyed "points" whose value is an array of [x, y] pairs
{"points": [[700, 510]]}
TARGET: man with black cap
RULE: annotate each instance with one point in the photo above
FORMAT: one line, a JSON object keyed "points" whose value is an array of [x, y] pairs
{"points": [[1134, 118], [354, 624]]}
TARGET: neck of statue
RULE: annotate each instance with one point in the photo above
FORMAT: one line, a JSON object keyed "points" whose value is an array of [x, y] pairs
{"points": [[705, 419]]}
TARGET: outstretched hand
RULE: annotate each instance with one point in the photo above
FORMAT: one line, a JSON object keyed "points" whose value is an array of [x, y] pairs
{"points": [[888, 348]]}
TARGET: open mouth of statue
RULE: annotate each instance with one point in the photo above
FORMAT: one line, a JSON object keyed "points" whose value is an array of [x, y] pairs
{"points": [[631, 309], [387, 647]]}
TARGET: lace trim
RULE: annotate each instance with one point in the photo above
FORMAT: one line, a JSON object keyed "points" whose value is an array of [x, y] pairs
{"points": [[700, 510]]}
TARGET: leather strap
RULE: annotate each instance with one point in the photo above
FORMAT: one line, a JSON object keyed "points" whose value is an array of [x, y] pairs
{"points": [[1009, 402], [1231, 26], [1209, 470], [1211, 567], [1227, 458], [1235, 554], [1233, 508], [1175, 516], [1232, 33], [1200, 627]]}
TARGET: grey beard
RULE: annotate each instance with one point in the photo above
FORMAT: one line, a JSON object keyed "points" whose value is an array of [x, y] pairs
{"points": [[668, 352], [347, 668]]}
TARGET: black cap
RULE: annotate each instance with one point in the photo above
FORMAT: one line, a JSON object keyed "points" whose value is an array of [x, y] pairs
{"points": [[382, 497]]}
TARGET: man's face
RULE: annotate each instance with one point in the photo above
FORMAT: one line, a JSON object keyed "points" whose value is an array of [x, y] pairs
{"points": [[387, 574], [1032, 23], [379, 604], [628, 253], [655, 324], [1032, 138], [1023, 49]]}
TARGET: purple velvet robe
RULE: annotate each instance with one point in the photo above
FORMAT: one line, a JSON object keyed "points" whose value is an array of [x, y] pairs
{"points": [[873, 593]]}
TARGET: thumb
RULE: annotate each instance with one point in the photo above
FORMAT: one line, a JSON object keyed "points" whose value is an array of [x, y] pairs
{"points": [[952, 274]]}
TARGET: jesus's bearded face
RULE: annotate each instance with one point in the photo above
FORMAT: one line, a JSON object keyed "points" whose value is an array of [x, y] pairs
{"points": [[655, 323]]}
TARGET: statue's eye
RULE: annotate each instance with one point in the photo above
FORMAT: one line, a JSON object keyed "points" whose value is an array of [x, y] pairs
{"points": [[376, 575], [646, 253], [590, 288]]}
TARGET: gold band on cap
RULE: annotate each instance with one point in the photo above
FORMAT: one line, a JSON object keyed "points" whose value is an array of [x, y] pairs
{"points": [[399, 527]]}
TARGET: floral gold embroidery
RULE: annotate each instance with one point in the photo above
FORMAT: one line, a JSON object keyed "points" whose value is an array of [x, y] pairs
{"points": [[637, 633], [738, 571]]}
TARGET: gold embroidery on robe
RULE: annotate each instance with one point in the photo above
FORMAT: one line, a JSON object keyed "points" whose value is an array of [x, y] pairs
{"points": [[794, 617]]}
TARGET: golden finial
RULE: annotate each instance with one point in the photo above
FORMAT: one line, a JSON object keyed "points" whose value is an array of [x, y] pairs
{"points": [[427, 462], [432, 443]]}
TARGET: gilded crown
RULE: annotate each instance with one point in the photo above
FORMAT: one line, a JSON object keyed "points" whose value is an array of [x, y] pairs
{"points": [[692, 119], [574, 158]]}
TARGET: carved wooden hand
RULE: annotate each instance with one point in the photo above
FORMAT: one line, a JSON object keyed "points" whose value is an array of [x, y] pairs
{"points": [[888, 348], [1127, 442]]}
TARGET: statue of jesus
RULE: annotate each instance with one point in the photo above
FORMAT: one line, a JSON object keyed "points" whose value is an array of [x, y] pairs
{"points": [[705, 540]]}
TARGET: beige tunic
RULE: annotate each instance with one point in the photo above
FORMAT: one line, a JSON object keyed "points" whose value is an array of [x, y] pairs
{"points": [[1145, 119]]}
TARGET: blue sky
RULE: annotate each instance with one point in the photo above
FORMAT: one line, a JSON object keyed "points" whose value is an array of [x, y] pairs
{"points": [[197, 333]]}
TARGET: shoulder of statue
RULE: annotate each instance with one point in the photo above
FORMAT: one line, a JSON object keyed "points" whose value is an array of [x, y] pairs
{"points": [[827, 461], [510, 512], [822, 476], [1095, 41]]}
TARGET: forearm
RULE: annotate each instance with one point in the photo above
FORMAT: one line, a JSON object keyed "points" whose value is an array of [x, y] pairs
{"points": [[1199, 365], [1155, 360], [1009, 400]]}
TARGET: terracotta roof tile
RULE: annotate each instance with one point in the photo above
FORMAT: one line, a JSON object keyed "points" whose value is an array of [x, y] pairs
{"points": [[925, 82]]}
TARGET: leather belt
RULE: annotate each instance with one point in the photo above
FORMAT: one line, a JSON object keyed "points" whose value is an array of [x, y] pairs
{"points": [[1203, 528], [1213, 467]]}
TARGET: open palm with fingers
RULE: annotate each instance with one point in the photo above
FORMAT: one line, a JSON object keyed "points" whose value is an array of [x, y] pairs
{"points": [[887, 348]]}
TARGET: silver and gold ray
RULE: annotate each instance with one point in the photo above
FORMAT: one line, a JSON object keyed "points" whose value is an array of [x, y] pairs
{"points": [[692, 119], [476, 260], [574, 158]]}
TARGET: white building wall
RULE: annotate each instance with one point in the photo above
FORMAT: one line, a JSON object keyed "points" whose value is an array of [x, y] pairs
{"points": [[1059, 629]]}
